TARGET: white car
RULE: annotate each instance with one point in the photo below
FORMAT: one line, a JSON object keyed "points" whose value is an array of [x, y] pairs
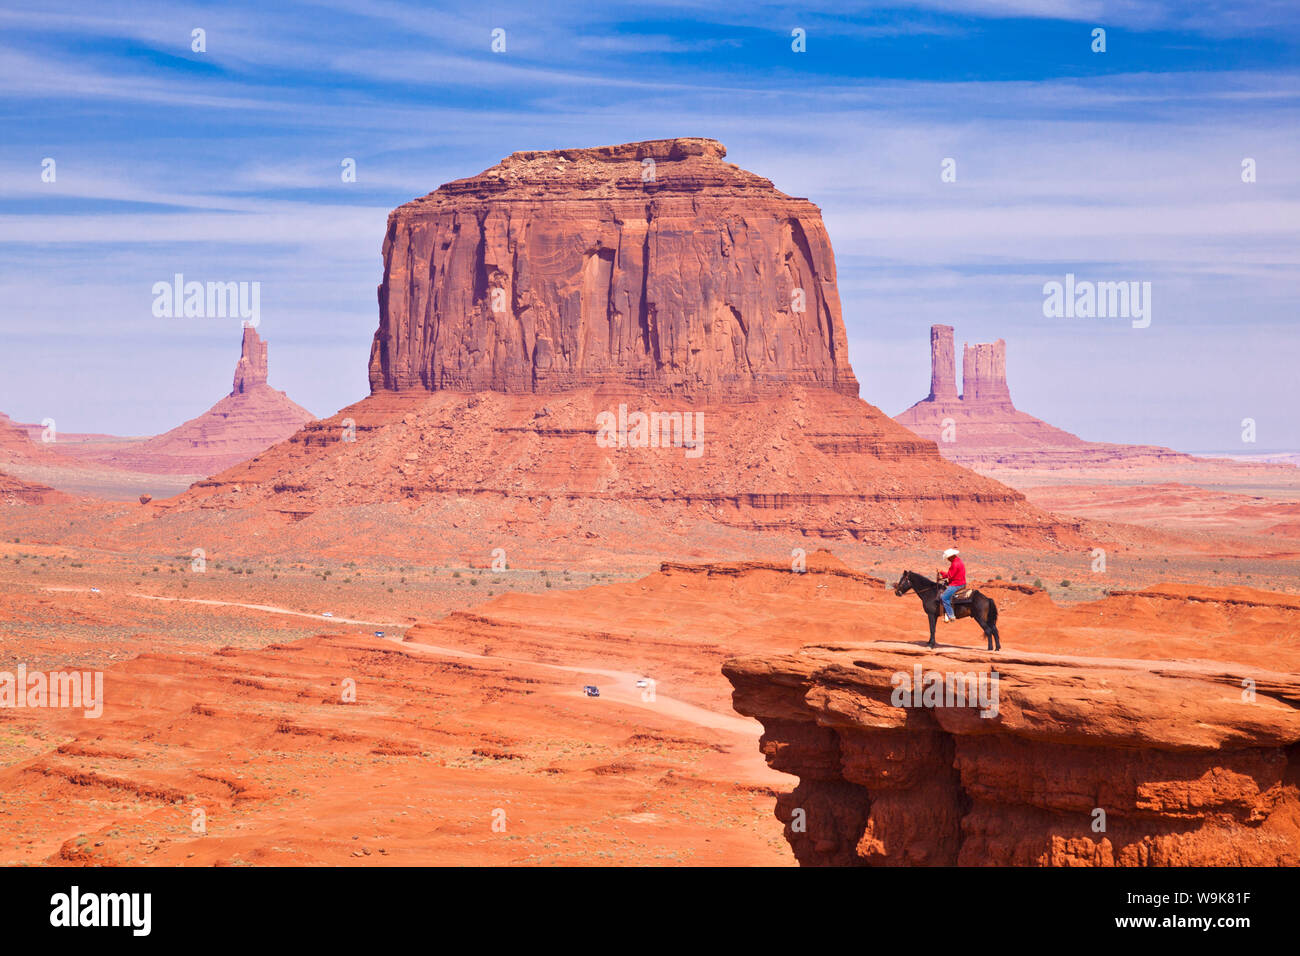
{"points": [[327, 614], [94, 590], [643, 682]]}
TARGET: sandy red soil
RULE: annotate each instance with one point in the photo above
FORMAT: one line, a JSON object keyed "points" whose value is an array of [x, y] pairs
{"points": [[225, 688], [238, 712], [1178, 507]]}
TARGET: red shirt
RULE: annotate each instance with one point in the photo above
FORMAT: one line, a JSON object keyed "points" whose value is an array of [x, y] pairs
{"points": [[956, 573]]}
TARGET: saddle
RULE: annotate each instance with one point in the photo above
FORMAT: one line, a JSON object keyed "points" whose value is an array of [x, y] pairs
{"points": [[964, 596]]}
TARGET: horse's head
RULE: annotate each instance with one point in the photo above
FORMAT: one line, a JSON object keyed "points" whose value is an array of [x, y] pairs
{"points": [[904, 584]]}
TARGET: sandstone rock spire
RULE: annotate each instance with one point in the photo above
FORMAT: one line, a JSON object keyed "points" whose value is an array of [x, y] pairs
{"points": [[523, 305], [251, 369], [982, 427], [984, 373], [943, 364], [252, 418]]}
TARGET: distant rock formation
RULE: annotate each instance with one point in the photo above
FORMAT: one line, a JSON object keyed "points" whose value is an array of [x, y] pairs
{"points": [[1172, 760], [15, 491], [655, 265], [524, 306], [14, 439], [810, 463], [251, 369], [943, 365], [984, 374], [982, 427], [249, 420]]}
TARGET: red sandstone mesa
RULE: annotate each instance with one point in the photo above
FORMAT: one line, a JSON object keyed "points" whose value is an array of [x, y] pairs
{"points": [[520, 304], [652, 264]]}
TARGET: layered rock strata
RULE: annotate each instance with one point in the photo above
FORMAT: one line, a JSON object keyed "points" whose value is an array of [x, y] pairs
{"points": [[528, 311], [1085, 762], [652, 264]]}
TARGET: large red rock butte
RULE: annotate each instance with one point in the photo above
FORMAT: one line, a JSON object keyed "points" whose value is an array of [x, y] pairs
{"points": [[522, 305], [652, 264]]}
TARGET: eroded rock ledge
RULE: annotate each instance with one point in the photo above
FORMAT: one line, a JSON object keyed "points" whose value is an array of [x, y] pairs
{"points": [[1186, 767]]}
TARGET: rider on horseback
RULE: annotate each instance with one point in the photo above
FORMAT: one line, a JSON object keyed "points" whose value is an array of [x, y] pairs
{"points": [[955, 578]]}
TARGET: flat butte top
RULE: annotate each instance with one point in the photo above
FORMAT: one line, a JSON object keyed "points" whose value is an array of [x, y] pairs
{"points": [[636, 171]]}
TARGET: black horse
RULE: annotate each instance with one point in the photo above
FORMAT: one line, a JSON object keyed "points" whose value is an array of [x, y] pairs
{"points": [[980, 606]]}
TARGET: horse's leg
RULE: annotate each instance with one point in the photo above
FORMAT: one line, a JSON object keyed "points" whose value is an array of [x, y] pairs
{"points": [[933, 618], [981, 617]]}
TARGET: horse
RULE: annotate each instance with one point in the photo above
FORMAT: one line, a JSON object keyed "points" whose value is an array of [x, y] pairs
{"points": [[980, 607]]}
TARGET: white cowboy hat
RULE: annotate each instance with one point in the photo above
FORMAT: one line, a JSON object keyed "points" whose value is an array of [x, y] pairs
{"points": [[951, 553]]}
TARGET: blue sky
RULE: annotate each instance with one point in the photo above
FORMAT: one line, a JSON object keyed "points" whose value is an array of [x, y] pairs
{"points": [[225, 165]]}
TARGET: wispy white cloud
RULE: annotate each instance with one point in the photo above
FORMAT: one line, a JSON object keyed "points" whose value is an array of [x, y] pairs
{"points": [[227, 163]]}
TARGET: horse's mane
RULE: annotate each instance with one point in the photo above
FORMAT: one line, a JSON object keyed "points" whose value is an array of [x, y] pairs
{"points": [[918, 574]]}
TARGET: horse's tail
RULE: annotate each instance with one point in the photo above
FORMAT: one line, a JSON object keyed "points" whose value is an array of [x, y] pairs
{"points": [[993, 613]]}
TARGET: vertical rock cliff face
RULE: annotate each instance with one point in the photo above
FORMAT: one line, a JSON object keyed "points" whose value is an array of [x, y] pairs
{"points": [[251, 369], [943, 365], [652, 264], [984, 373], [1079, 762], [14, 441]]}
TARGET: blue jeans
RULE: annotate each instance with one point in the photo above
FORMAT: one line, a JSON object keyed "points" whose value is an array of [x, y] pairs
{"points": [[946, 598]]}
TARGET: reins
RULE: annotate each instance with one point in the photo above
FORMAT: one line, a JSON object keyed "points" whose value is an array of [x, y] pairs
{"points": [[932, 585]]}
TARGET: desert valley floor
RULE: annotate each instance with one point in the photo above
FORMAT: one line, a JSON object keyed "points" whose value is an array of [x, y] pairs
{"points": [[224, 689]]}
